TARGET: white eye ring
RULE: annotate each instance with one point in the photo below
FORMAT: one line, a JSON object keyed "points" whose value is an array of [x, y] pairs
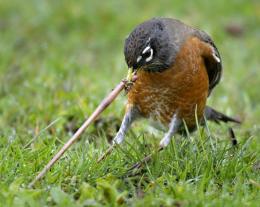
{"points": [[150, 57], [138, 59], [146, 49]]}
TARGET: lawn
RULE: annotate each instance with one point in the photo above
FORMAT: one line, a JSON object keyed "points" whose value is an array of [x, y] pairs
{"points": [[58, 59]]}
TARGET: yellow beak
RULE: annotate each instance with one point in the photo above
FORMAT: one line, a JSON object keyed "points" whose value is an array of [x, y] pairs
{"points": [[130, 74]]}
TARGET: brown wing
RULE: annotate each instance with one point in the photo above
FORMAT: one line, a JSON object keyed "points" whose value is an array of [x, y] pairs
{"points": [[179, 32]]}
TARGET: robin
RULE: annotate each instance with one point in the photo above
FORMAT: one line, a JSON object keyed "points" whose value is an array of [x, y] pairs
{"points": [[177, 68]]}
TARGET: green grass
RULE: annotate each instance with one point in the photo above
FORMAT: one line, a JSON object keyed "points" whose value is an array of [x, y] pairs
{"points": [[58, 59]]}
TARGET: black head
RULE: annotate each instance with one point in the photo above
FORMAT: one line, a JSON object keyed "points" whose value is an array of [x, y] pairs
{"points": [[148, 47]]}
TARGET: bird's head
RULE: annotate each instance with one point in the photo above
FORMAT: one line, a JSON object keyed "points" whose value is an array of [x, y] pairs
{"points": [[147, 47]]}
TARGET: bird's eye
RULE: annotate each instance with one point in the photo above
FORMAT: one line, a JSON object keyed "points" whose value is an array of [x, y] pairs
{"points": [[147, 54]]}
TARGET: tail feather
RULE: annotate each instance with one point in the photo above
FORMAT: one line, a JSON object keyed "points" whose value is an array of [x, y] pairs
{"points": [[213, 115]]}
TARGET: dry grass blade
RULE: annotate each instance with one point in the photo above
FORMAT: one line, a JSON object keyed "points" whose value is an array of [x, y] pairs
{"points": [[102, 106]]}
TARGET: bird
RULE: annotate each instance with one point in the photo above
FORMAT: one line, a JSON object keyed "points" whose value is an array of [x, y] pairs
{"points": [[177, 68]]}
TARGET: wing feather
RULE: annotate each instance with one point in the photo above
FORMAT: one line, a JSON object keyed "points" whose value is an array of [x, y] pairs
{"points": [[213, 63]]}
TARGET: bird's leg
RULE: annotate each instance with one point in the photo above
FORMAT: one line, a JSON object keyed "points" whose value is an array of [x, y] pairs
{"points": [[173, 128], [130, 116]]}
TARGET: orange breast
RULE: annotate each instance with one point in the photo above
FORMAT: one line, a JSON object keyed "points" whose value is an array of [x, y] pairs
{"points": [[180, 89]]}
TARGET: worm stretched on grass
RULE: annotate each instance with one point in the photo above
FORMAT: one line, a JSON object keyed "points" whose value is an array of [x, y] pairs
{"points": [[102, 106]]}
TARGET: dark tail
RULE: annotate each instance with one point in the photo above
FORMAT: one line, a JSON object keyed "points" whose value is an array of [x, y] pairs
{"points": [[213, 115]]}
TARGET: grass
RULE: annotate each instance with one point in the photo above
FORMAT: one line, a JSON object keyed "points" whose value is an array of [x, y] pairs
{"points": [[59, 59]]}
